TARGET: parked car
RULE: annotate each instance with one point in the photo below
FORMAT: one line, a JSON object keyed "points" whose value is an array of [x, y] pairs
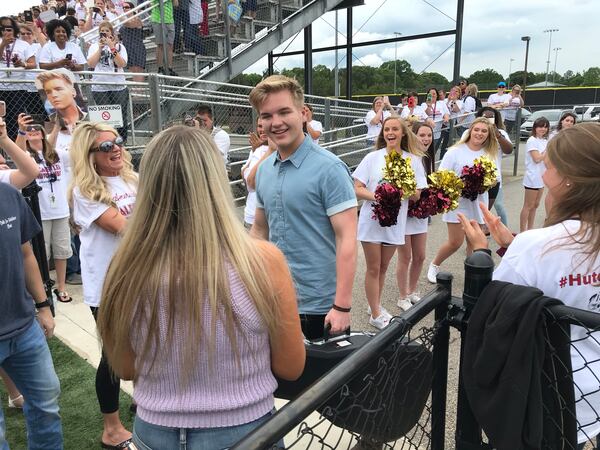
{"points": [[553, 116], [525, 113], [587, 113]]}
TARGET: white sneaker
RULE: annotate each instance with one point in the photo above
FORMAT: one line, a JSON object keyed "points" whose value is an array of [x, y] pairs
{"points": [[382, 310], [404, 304], [380, 322], [432, 272], [414, 298]]}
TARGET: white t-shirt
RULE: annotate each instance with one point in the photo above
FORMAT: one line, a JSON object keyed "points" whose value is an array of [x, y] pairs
{"points": [[533, 260], [438, 111], [374, 130], [222, 140], [533, 170], [497, 99], [33, 50], [469, 106], [98, 245], [317, 126], [80, 11], [499, 158], [20, 49], [106, 64], [415, 225], [253, 159], [196, 14], [51, 53], [510, 111], [53, 196], [5, 175], [370, 172], [459, 104], [418, 114], [455, 159]]}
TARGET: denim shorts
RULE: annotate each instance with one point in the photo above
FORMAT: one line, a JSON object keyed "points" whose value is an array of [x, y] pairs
{"points": [[147, 436]]}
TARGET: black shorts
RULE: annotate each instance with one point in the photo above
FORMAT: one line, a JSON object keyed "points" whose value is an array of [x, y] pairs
{"points": [[493, 192], [532, 189]]}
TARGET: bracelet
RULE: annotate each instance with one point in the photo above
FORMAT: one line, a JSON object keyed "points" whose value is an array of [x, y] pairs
{"points": [[42, 304], [22, 133], [341, 309]]}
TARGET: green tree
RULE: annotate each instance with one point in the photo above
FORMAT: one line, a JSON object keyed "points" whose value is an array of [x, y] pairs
{"points": [[486, 78], [591, 77], [432, 79]]}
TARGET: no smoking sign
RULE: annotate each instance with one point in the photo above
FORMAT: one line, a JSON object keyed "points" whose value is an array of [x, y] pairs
{"points": [[108, 114]]}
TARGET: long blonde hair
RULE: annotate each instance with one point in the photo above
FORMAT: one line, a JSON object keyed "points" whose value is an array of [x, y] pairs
{"points": [[90, 183], [490, 146], [575, 153], [409, 141], [183, 234]]}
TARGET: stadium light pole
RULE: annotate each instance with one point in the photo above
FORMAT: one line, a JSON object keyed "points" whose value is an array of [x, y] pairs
{"points": [[526, 39], [395, 58], [509, 69], [550, 31], [556, 50]]}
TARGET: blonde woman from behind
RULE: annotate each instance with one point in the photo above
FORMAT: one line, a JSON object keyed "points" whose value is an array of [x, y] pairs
{"points": [[209, 329]]}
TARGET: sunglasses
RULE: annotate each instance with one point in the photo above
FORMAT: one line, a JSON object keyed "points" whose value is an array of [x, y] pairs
{"points": [[126, 7], [108, 146], [33, 128], [6, 28]]}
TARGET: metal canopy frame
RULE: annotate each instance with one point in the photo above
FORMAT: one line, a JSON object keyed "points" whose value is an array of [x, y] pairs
{"points": [[350, 45]]}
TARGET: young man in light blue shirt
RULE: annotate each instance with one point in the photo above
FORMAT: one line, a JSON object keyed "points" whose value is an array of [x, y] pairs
{"points": [[306, 205]]}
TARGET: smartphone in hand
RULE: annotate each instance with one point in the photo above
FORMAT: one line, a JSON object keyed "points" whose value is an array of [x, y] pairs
{"points": [[28, 16], [69, 56]]}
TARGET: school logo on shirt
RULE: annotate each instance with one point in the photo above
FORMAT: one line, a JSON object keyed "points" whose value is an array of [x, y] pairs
{"points": [[578, 279], [594, 303], [7, 222]]}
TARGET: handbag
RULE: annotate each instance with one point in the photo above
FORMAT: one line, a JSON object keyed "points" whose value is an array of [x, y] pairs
{"points": [[234, 10]]}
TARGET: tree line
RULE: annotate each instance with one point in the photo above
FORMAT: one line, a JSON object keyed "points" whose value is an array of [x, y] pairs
{"points": [[380, 80]]}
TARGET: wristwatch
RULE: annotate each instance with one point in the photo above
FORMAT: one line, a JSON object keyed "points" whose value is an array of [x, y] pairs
{"points": [[43, 304]]}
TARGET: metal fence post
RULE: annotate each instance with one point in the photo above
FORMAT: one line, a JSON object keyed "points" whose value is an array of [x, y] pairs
{"points": [[327, 119], [154, 91], [517, 141], [226, 24], [479, 268], [439, 383]]}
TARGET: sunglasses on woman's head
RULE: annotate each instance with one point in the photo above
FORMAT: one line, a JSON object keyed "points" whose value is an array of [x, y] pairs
{"points": [[108, 146]]}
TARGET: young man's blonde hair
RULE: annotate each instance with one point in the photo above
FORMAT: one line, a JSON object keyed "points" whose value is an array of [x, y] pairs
{"points": [[273, 84]]}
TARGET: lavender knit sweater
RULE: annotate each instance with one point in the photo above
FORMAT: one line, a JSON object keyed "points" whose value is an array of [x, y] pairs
{"points": [[225, 394]]}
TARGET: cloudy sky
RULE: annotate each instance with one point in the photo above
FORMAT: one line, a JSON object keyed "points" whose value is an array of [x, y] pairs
{"points": [[491, 34]]}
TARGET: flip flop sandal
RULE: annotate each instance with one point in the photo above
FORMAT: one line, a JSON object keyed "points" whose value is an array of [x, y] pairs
{"points": [[125, 445], [16, 403], [63, 296]]}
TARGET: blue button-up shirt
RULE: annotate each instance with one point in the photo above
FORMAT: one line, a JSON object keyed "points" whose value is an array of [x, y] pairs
{"points": [[298, 196]]}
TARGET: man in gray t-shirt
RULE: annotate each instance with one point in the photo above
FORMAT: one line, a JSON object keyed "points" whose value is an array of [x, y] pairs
{"points": [[24, 353]]}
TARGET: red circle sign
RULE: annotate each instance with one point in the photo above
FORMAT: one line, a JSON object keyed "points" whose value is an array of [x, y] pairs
{"points": [[105, 115]]}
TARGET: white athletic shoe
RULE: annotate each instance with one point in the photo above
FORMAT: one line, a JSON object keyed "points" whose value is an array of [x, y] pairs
{"points": [[432, 272], [404, 304], [380, 322], [414, 298], [382, 310]]}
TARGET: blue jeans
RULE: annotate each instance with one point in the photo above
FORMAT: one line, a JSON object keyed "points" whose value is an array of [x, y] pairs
{"points": [[156, 437], [27, 360], [73, 263], [499, 206]]}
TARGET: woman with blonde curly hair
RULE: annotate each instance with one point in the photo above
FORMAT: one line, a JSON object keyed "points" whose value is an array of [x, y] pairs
{"points": [[210, 329], [479, 141], [102, 191], [380, 243]]}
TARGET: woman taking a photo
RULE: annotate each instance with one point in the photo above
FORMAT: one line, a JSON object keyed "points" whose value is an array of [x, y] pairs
{"points": [[480, 141], [380, 243], [411, 255], [54, 208], [534, 168], [207, 341], [108, 57], [60, 52], [569, 243], [103, 192], [437, 111], [375, 117]]}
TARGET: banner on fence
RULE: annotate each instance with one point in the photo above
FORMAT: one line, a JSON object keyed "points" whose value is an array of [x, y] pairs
{"points": [[108, 114]]}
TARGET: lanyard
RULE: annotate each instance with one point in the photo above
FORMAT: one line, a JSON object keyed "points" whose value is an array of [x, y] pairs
{"points": [[8, 54]]}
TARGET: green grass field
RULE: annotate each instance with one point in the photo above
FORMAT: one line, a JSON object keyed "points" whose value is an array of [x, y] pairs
{"points": [[81, 418]]}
